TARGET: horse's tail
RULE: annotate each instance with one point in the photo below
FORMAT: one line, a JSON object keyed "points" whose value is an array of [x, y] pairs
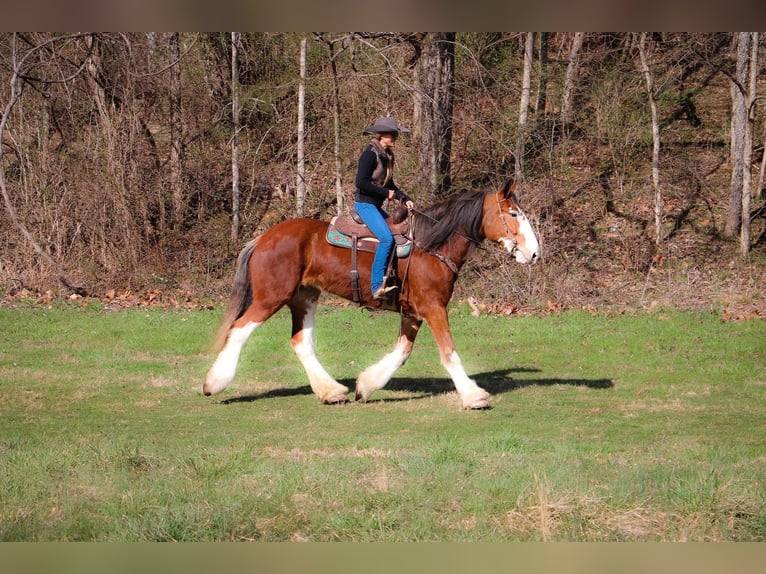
{"points": [[241, 295]]}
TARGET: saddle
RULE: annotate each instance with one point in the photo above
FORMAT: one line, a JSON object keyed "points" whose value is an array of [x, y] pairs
{"points": [[350, 232]]}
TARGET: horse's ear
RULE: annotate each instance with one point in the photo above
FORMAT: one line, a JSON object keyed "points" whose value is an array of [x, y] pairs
{"points": [[509, 187]]}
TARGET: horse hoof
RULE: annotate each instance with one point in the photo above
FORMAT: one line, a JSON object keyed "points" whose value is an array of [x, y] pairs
{"points": [[337, 400], [480, 405]]}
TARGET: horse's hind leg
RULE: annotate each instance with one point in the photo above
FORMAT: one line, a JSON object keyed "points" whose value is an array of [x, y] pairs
{"points": [[377, 376], [225, 367], [303, 308]]}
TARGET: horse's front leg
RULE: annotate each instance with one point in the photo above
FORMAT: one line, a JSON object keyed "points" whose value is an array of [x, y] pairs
{"points": [[471, 394], [377, 376]]}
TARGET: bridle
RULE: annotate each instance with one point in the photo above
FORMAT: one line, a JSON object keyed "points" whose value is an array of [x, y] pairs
{"points": [[509, 235]]}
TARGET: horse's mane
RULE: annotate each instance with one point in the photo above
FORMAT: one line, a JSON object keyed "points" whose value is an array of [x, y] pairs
{"points": [[436, 224]]}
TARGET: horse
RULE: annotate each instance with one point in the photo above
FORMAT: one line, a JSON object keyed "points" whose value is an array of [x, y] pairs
{"points": [[292, 263]]}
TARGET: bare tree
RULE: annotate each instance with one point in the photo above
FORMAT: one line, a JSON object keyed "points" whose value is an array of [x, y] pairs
{"points": [[300, 187], [176, 132], [571, 76], [758, 187], [331, 46], [649, 79], [526, 85], [235, 136], [738, 130], [433, 105], [541, 96], [750, 100]]}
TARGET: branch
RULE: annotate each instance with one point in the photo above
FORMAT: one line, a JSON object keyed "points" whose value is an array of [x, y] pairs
{"points": [[166, 68]]}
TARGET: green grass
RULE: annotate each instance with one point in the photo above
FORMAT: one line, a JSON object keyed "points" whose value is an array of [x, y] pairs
{"points": [[644, 427]]}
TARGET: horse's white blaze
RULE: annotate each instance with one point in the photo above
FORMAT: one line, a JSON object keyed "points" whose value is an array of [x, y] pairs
{"points": [[529, 250], [225, 367], [469, 391], [322, 383], [376, 376]]}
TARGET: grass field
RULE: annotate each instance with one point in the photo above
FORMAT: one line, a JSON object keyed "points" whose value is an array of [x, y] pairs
{"points": [[605, 427]]}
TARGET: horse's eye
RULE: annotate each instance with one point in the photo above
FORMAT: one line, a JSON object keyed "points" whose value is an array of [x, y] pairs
{"points": [[513, 212]]}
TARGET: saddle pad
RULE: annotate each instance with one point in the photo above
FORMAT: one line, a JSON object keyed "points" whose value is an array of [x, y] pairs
{"points": [[338, 239], [335, 237]]}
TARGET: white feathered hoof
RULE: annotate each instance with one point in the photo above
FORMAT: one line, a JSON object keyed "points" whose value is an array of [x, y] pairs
{"points": [[336, 399], [477, 401], [480, 405]]}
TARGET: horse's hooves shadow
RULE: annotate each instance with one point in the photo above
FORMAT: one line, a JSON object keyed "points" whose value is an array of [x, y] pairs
{"points": [[494, 382], [272, 394]]}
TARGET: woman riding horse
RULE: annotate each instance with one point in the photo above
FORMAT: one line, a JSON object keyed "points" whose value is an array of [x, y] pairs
{"points": [[375, 184], [292, 263]]}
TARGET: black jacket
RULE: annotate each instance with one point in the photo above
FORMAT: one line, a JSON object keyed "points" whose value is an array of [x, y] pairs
{"points": [[374, 178]]}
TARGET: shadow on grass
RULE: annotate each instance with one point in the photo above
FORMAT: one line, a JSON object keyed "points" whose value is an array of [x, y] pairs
{"points": [[272, 394], [495, 382]]}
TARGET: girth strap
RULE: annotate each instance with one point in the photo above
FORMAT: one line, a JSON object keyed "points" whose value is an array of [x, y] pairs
{"points": [[355, 293]]}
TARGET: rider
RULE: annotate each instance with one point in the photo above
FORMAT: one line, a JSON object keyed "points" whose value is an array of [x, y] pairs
{"points": [[374, 184]]}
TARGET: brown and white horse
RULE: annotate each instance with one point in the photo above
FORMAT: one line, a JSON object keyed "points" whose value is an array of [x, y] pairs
{"points": [[292, 263]]}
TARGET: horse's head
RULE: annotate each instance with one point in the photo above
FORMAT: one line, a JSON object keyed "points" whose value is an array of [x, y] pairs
{"points": [[506, 223]]}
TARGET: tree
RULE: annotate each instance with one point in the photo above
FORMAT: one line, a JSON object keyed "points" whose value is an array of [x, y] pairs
{"points": [[649, 79], [433, 106], [176, 131], [541, 96], [300, 187], [750, 99], [573, 67], [331, 47], [739, 126], [526, 85], [235, 136]]}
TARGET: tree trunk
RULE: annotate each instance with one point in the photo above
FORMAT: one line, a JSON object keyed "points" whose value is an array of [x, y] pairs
{"points": [[748, 144], [174, 164], [300, 187], [649, 78], [235, 136], [738, 128], [571, 75], [340, 199], [542, 78], [526, 85], [758, 188], [434, 94]]}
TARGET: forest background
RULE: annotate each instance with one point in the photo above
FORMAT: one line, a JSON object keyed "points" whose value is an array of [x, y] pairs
{"points": [[135, 166]]}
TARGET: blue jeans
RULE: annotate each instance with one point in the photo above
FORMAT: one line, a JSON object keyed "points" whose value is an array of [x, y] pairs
{"points": [[375, 218]]}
